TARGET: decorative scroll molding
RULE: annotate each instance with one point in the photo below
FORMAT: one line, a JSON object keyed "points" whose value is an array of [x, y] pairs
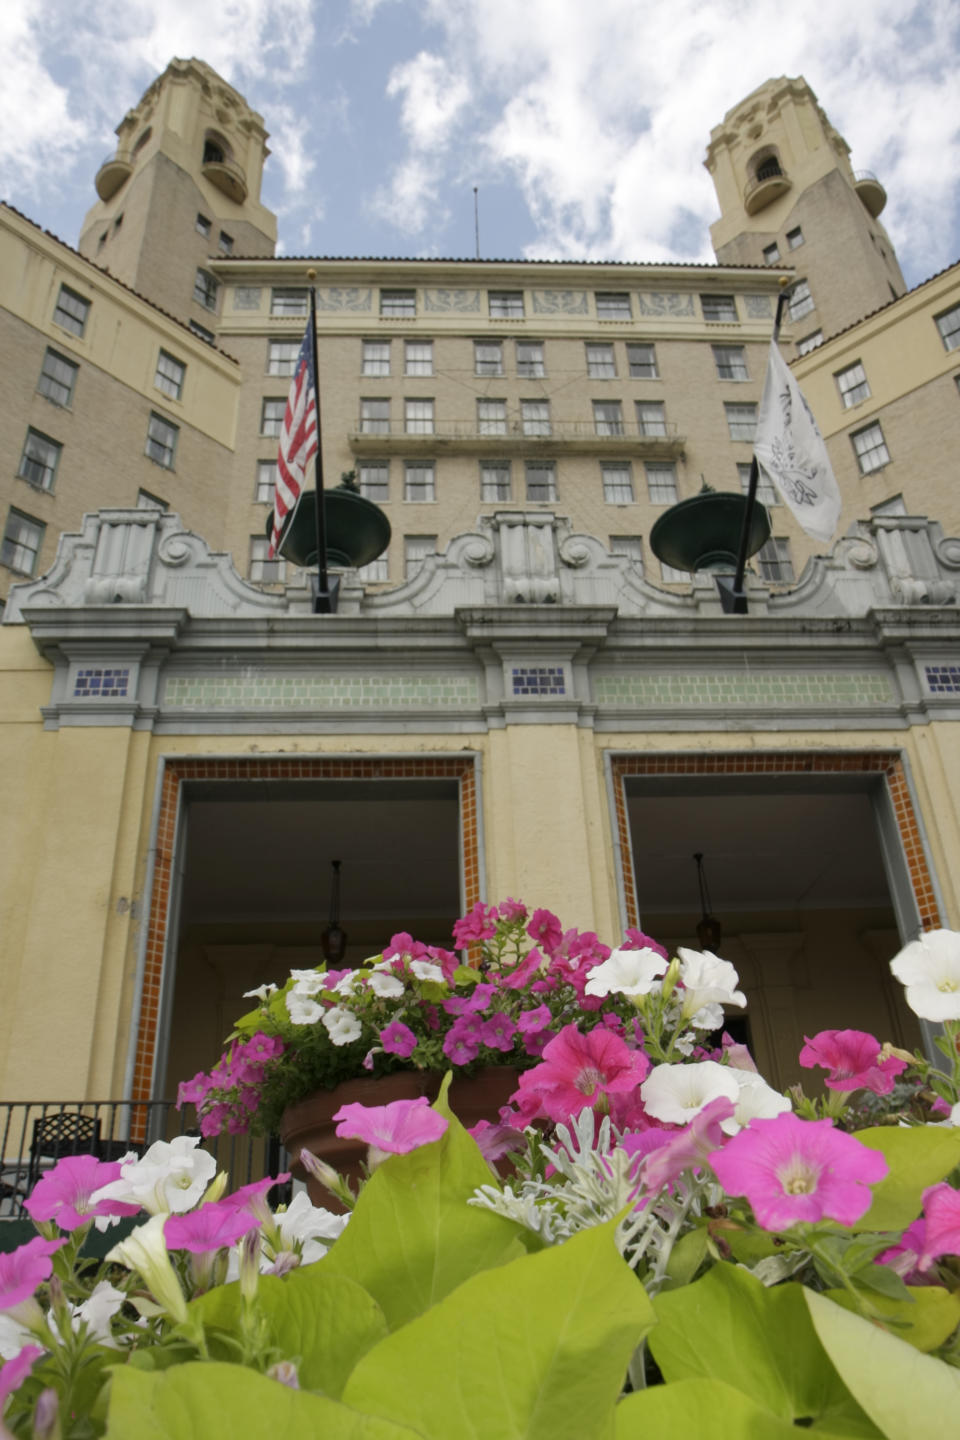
{"points": [[457, 302]]}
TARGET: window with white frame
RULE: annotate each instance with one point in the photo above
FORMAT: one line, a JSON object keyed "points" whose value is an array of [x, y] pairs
{"points": [[642, 360], [418, 357], [282, 357], [613, 305], [731, 362], [286, 301], [226, 243], [491, 417], [601, 364], [608, 417], [148, 501], [870, 448], [661, 483], [530, 360], [672, 576], [22, 538], [263, 570], [776, 564], [205, 288], [71, 311], [617, 483], [495, 481], [170, 375], [767, 492], [948, 323], [398, 304], [505, 304], [419, 481], [809, 342], [535, 415], [630, 547], [794, 238], [418, 417], [801, 302], [416, 548], [39, 460], [202, 226], [374, 480], [771, 254], [58, 375], [266, 486], [202, 332], [488, 357], [651, 418], [741, 421], [719, 308], [852, 384], [541, 480], [162, 441], [272, 412], [375, 572], [376, 357], [374, 417]]}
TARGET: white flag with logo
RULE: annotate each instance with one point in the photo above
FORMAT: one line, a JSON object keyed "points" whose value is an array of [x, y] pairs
{"points": [[790, 451]]}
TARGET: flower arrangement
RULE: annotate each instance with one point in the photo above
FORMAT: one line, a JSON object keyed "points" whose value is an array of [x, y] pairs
{"points": [[675, 1251]]}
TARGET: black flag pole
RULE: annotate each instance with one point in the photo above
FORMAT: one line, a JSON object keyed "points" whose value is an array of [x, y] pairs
{"points": [[325, 600]]}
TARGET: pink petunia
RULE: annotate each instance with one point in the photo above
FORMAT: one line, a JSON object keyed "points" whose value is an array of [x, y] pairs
{"points": [[480, 924], [577, 1070], [194, 1092], [794, 1170], [253, 1197], [498, 1032], [636, 940], [853, 1059], [24, 1269], [495, 1141], [512, 909], [687, 1149], [544, 927], [63, 1194], [211, 1227], [531, 1022], [941, 1211], [518, 978], [906, 1256], [398, 1128], [398, 1039], [16, 1371]]}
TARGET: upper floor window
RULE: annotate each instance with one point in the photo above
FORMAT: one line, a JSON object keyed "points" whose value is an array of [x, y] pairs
{"points": [[418, 357], [506, 304], [741, 421], [38, 462], [771, 254], [282, 357], [608, 417], [58, 376], [852, 384], [376, 357], [214, 152], [492, 417], [794, 238], [22, 538], [416, 548], [801, 302], [949, 326], [776, 564], [535, 415], [719, 307], [495, 481], [170, 375], [617, 484], [767, 492], [148, 501], [642, 360], [630, 547], [226, 243], [530, 361], [205, 288], [651, 418], [374, 478], [661, 484], [731, 362], [418, 417], [810, 342], [870, 448], [375, 417], [488, 357], [375, 571], [541, 480], [71, 311], [271, 416], [202, 332], [202, 226], [600, 362], [613, 305], [419, 481], [288, 302], [162, 441], [262, 570], [266, 482], [398, 304]]}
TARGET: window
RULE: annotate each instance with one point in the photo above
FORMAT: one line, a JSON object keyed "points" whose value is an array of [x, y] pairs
{"points": [[630, 547], [58, 375], [852, 384], [642, 360], [374, 417], [38, 463], [398, 304], [162, 441], [741, 421], [266, 482], [102, 241], [374, 478], [672, 576], [536, 417], [767, 492], [719, 307], [600, 362], [488, 357], [800, 302], [263, 571], [795, 238], [541, 481], [613, 305], [870, 448], [731, 362], [202, 332], [282, 357], [771, 254], [22, 539], [608, 417], [146, 501], [271, 416], [775, 563], [213, 153], [661, 484], [419, 482], [505, 304], [376, 357], [226, 243], [495, 482], [416, 548], [205, 288], [418, 357], [492, 417], [949, 326], [71, 311], [530, 362], [203, 226], [651, 418], [809, 342], [418, 417], [170, 375], [375, 572], [617, 484], [288, 302]]}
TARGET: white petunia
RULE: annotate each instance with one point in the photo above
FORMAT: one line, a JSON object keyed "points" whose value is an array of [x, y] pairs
{"points": [[349, 984], [342, 1026], [386, 986], [307, 982], [757, 1101], [301, 1009], [424, 970], [627, 972], [145, 1250], [929, 968], [97, 1312], [710, 1017], [170, 1178], [707, 980], [13, 1337], [262, 993], [676, 1093], [310, 1227]]}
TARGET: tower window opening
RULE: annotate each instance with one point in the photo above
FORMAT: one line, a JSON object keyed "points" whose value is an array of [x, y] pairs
{"points": [[213, 153], [769, 168]]}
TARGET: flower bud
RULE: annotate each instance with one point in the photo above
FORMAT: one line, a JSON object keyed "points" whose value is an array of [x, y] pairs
{"points": [[286, 1372], [250, 1265], [46, 1416]]}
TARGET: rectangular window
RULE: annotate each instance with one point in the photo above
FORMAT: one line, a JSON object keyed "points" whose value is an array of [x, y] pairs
{"points": [[809, 342], [146, 501], [71, 311], [672, 576], [600, 362], [418, 417], [505, 304], [58, 376], [661, 484], [374, 478], [495, 482], [776, 565], [375, 572], [535, 415], [651, 418], [801, 302], [288, 302], [170, 375], [852, 384], [202, 332], [266, 482], [741, 421], [271, 416], [162, 441], [488, 357], [949, 326], [719, 307], [541, 481], [419, 481], [613, 305], [374, 417], [608, 417], [530, 361], [630, 547], [795, 238], [226, 243], [418, 357], [771, 254], [870, 448], [282, 357], [263, 571], [492, 417], [22, 539], [617, 484], [731, 362], [203, 226], [767, 492], [205, 287], [38, 462], [398, 304], [642, 360], [376, 357], [416, 548]]}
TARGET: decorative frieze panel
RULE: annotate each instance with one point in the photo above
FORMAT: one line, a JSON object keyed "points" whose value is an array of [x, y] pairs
{"points": [[560, 302], [665, 303], [758, 307], [777, 689], [356, 298], [247, 297], [452, 302], [345, 690]]}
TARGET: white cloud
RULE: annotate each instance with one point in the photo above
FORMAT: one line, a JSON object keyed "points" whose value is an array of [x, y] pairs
{"points": [[432, 100], [39, 136]]}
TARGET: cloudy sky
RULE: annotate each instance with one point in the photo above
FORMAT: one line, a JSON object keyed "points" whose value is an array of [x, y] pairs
{"points": [[582, 122]]}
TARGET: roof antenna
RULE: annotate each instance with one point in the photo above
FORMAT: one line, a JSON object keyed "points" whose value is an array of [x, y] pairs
{"points": [[476, 218]]}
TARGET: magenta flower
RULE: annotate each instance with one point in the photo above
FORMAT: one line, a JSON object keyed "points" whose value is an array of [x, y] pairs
{"points": [[636, 940], [480, 924], [531, 1022], [460, 1047], [16, 1371], [193, 1092], [941, 1210], [577, 1070], [253, 1197], [907, 1255], [688, 1149], [498, 1032], [211, 1227], [471, 1004], [544, 927], [495, 1141], [794, 1170], [63, 1194], [23, 1270], [524, 972], [513, 909], [398, 1128], [853, 1059], [398, 1039]]}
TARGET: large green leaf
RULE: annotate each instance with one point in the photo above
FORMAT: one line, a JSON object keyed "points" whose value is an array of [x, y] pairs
{"points": [[918, 1156], [534, 1350], [728, 1326], [910, 1396], [925, 1320], [706, 1408]]}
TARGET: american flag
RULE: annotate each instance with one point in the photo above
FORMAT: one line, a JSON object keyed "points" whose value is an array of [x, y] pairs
{"points": [[298, 439]]}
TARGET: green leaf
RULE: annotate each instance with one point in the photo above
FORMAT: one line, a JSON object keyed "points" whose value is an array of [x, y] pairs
{"points": [[906, 1393], [729, 1327], [199, 1401], [533, 1350], [918, 1156], [881, 1280], [687, 1256], [925, 1319], [412, 1237], [707, 1408]]}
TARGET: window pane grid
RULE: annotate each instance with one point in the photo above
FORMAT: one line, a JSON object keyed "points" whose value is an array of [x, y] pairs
{"points": [[38, 463], [494, 482], [741, 421], [949, 326], [288, 302], [852, 384], [536, 417], [801, 302], [809, 342], [271, 418], [264, 571], [376, 357], [395, 304], [161, 441], [375, 417], [767, 492], [617, 484], [416, 548], [57, 378], [205, 288], [661, 484], [419, 483], [870, 448], [608, 417], [505, 304], [642, 360], [492, 417], [776, 565], [266, 482], [651, 418], [731, 362], [530, 361], [719, 307], [374, 477], [541, 482], [22, 539], [418, 357], [600, 362], [282, 357], [488, 358], [419, 417], [613, 305], [170, 375], [71, 311]]}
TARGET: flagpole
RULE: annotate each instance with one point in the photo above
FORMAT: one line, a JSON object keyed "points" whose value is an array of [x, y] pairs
{"points": [[324, 603]]}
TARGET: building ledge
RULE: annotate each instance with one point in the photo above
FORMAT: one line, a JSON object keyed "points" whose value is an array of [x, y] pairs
{"points": [[114, 172], [227, 177], [871, 192], [573, 438], [761, 193]]}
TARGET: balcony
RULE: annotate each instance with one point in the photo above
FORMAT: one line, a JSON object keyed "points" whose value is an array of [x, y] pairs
{"points": [[227, 177], [768, 185], [113, 173], [566, 437], [871, 192]]}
